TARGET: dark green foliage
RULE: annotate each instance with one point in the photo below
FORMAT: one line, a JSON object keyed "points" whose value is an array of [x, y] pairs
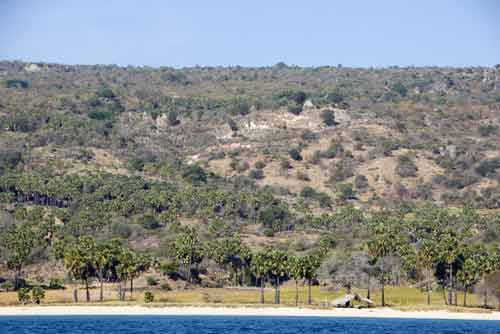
{"points": [[294, 108], [136, 164], [173, 118], [15, 83], [37, 295], [274, 216], [149, 221], [165, 287], [295, 154], [105, 92], [323, 199], [151, 281], [9, 159], [121, 230], [101, 115], [361, 182], [335, 96], [260, 164], [488, 167], [23, 295], [400, 89], [148, 297], [168, 268], [328, 117], [345, 191], [56, 284], [285, 164], [240, 106], [232, 125], [257, 174], [486, 130], [406, 167]]}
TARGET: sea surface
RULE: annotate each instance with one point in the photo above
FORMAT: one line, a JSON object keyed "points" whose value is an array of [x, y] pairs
{"points": [[248, 325]]}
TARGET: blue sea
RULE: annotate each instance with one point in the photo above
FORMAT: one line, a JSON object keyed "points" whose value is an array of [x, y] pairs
{"points": [[248, 325]]}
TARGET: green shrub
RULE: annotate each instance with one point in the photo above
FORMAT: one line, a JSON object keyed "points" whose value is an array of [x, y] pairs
{"points": [[121, 230], [308, 135], [151, 281], [15, 83], [195, 174], [295, 154], [260, 164], [37, 295], [406, 167], [308, 192], [168, 268], [400, 89], [334, 150], [173, 118], [148, 297], [56, 284], [23, 295], [486, 130], [149, 221], [105, 92], [294, 108], [165, 287], [7, 286], [285, 164], [361, 182], [257, 174], [345, 191], [488, 167], [328, 117]]}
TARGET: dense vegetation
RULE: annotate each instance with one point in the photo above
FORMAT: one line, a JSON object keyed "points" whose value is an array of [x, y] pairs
{"points": [[242, 176]]}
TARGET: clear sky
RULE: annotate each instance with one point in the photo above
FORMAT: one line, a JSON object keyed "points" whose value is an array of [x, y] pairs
{"points": [[252, 33]]}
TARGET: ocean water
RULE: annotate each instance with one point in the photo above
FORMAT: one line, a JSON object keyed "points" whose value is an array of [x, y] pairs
{"points": [[248, 325]]}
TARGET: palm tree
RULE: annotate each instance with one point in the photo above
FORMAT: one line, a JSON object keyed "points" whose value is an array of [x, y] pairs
{"points": [[426, 257], [105, 260], [449, 249], [311, 264], [278, 268], [259, 266], [19, 241], [78, 260], [296, 271]]}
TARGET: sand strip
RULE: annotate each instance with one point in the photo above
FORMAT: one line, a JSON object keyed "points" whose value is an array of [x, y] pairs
{"points": [[239, 311]]}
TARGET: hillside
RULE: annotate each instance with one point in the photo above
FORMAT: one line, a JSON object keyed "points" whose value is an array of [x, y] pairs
{"points": [[276, 154]]}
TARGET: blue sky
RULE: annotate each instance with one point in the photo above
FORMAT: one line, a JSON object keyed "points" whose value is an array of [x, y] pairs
{"points": [[252, 33]]}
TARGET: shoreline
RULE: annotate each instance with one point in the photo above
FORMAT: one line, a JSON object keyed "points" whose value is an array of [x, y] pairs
{"points": [[106, 310]]}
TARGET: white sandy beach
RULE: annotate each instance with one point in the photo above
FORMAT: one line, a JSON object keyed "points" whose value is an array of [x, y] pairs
{"points": [[240, 311]]}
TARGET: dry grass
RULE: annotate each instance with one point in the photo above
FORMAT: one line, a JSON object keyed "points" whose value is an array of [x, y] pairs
{"points": [[406, 299]]}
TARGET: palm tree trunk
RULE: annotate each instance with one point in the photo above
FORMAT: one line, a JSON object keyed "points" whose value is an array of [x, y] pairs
{"points": [[124, 290], [75, 295], [296, 293], [428, 289], [279, 292], [383, 280], [119, 291], [101, 287], [368, 294], [309, 297], [262, 290], [465, 296], [87, 292], [131, 288], [485, 303], [276, 284], [450, 292]]}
